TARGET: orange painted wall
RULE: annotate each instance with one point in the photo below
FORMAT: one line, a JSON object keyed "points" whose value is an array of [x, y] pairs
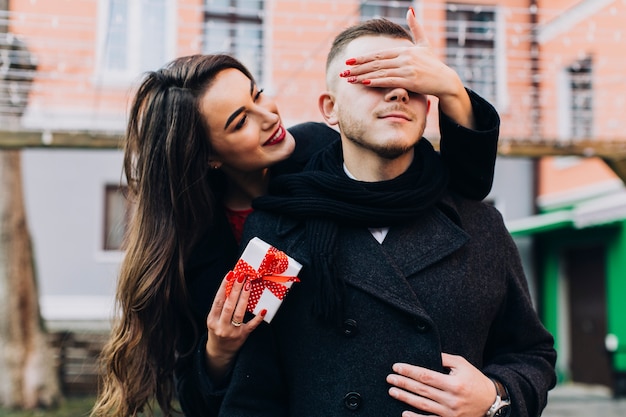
{"points": [[600, 36], [63, 36], [562, 177], [301, 34]]}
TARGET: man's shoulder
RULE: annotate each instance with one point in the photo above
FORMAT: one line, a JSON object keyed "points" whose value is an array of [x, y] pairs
{"points": [[468, 204], [262, 223], [282, 232], [471, 211]]}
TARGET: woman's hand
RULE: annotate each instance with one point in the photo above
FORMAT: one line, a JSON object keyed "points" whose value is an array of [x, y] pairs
{"points": [[464, 392], [415, 68], [226, 330]]}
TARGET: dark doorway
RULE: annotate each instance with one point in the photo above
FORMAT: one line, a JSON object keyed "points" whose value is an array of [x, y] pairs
{"points": [[585, 268]]}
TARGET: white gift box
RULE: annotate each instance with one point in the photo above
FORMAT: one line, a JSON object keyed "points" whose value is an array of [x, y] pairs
{"points": [[271, 284]]}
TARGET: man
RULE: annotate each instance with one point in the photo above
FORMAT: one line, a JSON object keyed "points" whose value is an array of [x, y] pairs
{"points": [[412, 300]]}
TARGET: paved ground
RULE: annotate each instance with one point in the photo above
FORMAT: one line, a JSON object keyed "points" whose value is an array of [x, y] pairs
{"points": [[573, 400]]}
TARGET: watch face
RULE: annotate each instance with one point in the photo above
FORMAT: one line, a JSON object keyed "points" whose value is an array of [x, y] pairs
{"points": [[503, 411]]}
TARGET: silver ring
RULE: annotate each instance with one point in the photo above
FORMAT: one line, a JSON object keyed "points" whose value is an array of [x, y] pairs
{"points": [[235, 323]]}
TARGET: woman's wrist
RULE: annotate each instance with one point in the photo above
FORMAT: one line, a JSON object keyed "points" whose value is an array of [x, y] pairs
{"points": [[216, 365], [458, 106]]}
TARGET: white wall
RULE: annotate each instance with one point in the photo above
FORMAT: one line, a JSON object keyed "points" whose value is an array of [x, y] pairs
{"points": [[513, 194], [64, 194]]}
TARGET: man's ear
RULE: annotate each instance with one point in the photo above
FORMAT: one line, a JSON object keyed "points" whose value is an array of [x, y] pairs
{"points": [[326, 104]]}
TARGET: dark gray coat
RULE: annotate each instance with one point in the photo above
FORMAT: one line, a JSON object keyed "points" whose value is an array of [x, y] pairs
{"points": [[450, 282]]}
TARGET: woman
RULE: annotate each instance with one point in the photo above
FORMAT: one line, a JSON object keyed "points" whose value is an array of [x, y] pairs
{"points": [[200, 139]]}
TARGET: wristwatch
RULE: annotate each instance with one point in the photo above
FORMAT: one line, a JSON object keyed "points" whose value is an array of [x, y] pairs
{"points": [[501, 407]]}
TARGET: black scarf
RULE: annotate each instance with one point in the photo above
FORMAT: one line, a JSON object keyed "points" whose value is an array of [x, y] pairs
{"points": [[324, 197]]}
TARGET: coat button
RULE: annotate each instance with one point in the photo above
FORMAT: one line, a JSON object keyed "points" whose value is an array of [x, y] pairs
{"points": [[350, 328], [352, 401], [421, 326]]}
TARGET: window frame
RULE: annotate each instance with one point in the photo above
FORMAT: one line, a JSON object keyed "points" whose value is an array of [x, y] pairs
{"points": [[133, 45], [232, 16], [499, 97], [580, 76], [401, 6]]}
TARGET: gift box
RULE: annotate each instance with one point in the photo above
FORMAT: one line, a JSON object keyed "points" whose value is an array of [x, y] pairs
{"points": [[269, 272]]}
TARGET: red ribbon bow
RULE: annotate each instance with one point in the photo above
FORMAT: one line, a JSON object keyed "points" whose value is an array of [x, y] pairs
{"points": [[268, 276]]}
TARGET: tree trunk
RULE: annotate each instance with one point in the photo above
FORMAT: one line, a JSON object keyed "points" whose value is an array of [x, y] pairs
{"points": [[28, 378]]}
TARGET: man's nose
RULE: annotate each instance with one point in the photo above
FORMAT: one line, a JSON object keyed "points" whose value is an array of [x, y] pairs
{"points": [[397, 94]]}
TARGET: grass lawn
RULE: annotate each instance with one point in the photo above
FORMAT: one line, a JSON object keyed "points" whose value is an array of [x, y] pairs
{"points": [[70, 407]]}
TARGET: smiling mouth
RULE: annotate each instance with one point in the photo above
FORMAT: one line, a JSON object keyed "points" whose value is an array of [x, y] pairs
{"points": [[395, 116], [277, 137]]}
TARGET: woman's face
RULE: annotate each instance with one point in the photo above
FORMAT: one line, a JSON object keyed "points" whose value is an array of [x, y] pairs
{"points": [[245, 130]]}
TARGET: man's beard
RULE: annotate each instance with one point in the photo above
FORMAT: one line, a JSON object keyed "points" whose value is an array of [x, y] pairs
{"points": [[385, 151], [355, 132]]}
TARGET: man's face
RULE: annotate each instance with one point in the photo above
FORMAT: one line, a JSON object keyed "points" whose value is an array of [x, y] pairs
{"points": [[385, 121]]}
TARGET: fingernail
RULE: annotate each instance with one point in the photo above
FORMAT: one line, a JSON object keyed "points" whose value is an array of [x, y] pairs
{"points": [[230, 276], [247, 286], [241, 277], [352, 80], [264, 312], [366, 82], [412, 10], [351, 61], [345, 73]]}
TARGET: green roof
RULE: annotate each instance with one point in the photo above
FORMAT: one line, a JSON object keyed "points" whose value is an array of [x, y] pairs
{"points": [[601, 211], [541, 223]]}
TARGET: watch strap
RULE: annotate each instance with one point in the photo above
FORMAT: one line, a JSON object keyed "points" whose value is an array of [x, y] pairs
{"points": [[501, 407]]}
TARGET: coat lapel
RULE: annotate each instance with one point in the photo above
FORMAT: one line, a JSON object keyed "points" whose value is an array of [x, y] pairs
{"points": [[384, 271], [425, 242]]}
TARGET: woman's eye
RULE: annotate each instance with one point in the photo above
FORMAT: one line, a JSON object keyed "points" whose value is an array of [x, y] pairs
{"points": [[258, 94], [241, 122]]}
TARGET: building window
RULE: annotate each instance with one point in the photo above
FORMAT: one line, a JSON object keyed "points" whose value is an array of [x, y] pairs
{"points": [[136, 36], [471, 47], [392, 10], [236, 27], [581, 90], [117, 212]]}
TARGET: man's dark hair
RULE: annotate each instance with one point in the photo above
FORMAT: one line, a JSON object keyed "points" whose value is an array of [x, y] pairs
{"points": [[372, 27]]}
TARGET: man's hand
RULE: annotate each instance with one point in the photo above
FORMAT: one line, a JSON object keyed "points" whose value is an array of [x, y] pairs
{"points": [[463, 392]]}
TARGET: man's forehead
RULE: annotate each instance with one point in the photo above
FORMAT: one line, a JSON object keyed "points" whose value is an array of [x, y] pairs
{"points": [[374, 43]]}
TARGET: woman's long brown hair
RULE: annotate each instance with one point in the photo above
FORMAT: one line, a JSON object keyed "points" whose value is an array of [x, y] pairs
{"points": [[166, 156]]}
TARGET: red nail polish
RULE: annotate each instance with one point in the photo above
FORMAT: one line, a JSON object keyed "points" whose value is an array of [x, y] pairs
{"points": [[263, 312], [351, 61], [412, 10], [230, 276], [352, 80], [247, 285], [366, 82], [345, 73], [241, 277]]}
